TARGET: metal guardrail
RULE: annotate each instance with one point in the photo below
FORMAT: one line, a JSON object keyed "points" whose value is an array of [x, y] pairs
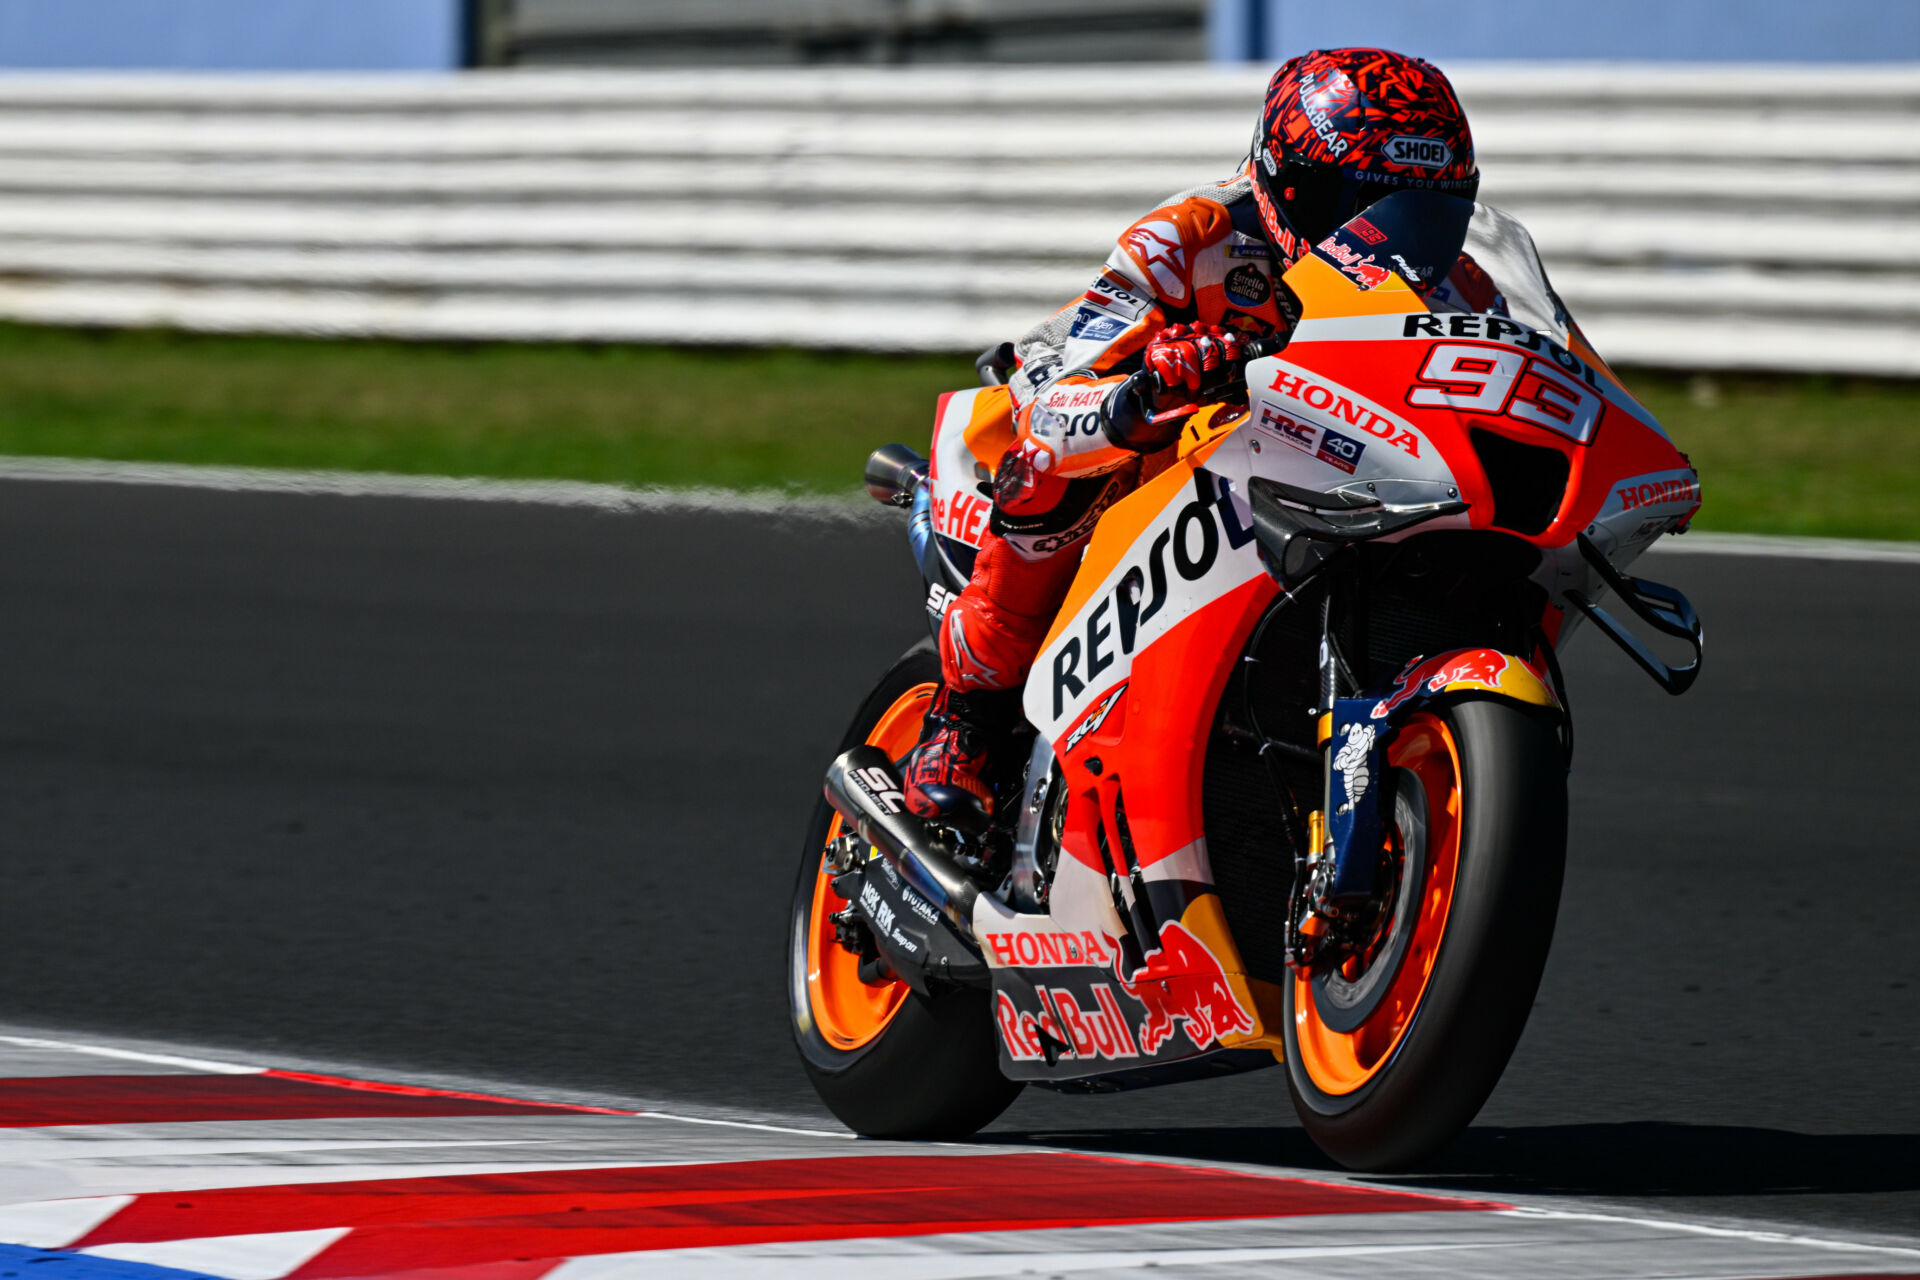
{"points": [[774, 32], [1715, 218]]}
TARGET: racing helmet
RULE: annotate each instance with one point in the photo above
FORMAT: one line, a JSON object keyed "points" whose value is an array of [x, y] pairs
{"points": [[1343, 127]]}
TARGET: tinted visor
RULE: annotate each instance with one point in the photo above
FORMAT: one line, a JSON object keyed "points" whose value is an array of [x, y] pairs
{"points": [[1315, 198]]}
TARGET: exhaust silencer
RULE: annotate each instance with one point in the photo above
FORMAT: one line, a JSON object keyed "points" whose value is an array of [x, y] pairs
{"points": [[864, 787], [894, 474]]}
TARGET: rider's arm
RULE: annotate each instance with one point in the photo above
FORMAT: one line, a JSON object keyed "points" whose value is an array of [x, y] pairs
{"points": [[1072, 392]]}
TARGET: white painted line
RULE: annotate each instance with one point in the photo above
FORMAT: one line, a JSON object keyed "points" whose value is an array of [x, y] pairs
{"points": [[132, 1055], [763, 1128], [717, 1264], [663, 499], [54, 1224], [74, 1144], [380, 484], [1724, 1233], [266, 1256], [1766, 544]]}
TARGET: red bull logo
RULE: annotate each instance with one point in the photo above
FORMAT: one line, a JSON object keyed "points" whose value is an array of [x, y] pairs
{"points": [[1182, 983], [1099, 1032], [1367, 273], [1181, 988], [1483, 667]]}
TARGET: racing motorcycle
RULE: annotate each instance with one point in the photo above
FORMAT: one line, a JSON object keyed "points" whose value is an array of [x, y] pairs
{"points": [[1296, 785]]}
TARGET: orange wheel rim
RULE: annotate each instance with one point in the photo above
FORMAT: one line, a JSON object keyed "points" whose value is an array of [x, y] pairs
{"points": [[848, 1012], [1338, 1062]]}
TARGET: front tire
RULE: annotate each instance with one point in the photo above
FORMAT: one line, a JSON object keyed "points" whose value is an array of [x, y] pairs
{"points": [[887, 1062], [1397, 1071]]}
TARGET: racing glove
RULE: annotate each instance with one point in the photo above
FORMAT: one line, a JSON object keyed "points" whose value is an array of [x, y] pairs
{"points": [[1182, 363], [1199, 358]]}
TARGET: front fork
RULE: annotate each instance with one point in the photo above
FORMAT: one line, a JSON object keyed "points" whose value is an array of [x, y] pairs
{"points": [[1345, 835]]}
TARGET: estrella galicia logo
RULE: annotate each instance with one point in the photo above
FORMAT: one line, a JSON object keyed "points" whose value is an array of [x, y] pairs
{"points": [[1418, 153], [1096, 326], [1247, 286], [1340, 451]]}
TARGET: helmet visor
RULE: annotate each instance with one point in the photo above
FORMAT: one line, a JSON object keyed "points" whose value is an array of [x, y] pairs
{"points": [[1315, 198]]}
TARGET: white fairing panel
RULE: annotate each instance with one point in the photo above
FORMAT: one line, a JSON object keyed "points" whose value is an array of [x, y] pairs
{"points": [[1307, 430], [960, 510], [1197, 548]]}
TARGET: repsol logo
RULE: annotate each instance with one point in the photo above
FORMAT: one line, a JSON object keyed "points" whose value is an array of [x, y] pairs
{"points": [[1498, 329], [1191, 547], [1419, 153]]}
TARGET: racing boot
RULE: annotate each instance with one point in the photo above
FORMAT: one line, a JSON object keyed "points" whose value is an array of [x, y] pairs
{"points": [[949, 777]]}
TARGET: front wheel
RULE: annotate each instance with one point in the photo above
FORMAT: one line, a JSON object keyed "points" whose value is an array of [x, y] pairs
{"points": [[888, 1063], [1391, 1056]]}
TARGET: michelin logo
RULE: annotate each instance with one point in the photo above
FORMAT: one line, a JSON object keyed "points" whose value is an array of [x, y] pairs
{"points": [[1351, 763]]}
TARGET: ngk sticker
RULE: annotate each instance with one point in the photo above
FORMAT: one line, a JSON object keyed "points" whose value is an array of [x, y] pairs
{"points": [[877, 910]]}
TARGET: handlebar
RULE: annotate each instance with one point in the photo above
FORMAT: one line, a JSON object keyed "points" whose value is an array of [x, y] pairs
{"points": [[1252, 350]]}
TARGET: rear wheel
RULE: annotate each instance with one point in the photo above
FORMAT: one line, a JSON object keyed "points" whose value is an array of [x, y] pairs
{"points": [[887, 1062], [1391, 1056]]}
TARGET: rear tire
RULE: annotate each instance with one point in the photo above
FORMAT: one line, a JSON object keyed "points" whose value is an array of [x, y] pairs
{"points": [[930, 1067], [1455, 1040]]}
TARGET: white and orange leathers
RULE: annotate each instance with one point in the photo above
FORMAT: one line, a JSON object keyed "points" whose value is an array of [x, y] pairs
{"points": [[1200, 258]]}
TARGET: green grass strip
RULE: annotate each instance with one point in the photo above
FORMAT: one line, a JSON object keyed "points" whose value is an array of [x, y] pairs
{"points": [[1809, 456]]}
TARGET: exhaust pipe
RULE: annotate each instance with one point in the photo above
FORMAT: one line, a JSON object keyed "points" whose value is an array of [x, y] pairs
{"points": [[863, 786], [895, 473]]}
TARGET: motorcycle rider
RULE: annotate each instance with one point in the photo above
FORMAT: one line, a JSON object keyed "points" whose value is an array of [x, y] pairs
{"points": [[1186, 286]]}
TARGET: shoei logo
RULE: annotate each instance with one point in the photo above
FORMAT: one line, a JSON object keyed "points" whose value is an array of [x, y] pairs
{"points": [[1419, 153]]}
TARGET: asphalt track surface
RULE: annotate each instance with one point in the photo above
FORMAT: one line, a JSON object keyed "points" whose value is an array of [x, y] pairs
{"points": [[514, 792]]}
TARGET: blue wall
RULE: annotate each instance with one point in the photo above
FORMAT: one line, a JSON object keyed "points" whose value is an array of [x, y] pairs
{"points": [[1626, 30], [232, 35]]}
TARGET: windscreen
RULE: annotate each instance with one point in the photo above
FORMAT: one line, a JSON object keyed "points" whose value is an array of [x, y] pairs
{"points": [[1503, 248]]}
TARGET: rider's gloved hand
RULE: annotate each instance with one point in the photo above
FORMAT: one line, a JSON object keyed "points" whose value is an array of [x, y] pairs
{"points": [[1199, 359], [1183, 363]]}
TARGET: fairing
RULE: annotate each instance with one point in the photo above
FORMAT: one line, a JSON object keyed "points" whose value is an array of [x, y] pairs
{"points": [[1380, 392]]}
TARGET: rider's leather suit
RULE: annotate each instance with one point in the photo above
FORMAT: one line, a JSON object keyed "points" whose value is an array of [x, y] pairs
{"points": [[1199, 258]]}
